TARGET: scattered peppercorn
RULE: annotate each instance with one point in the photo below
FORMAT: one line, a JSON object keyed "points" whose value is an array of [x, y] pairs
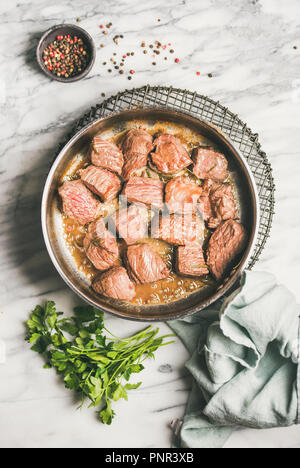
{"points": [[109, 70], [210, 75], [78, 20], [154, 53], [66, 56], [102, 94]]}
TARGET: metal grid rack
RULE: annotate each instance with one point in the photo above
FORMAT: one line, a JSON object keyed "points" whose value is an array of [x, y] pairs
{"points": [[220, 116]]}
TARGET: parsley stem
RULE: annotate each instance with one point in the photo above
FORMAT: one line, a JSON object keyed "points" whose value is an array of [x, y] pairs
{"points": [[92, 363]]}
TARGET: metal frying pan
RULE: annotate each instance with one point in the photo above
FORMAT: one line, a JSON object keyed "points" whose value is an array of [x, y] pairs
{"points": [[191, 127]]}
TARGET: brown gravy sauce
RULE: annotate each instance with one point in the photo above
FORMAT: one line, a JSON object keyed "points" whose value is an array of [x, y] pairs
{"points": [[173, 288]]}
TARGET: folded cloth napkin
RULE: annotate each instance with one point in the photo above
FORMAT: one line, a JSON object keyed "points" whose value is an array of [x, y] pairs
{"points": [[244, 361]]}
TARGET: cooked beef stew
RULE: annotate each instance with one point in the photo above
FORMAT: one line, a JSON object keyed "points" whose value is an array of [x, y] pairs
{"points": [[174, 228]]}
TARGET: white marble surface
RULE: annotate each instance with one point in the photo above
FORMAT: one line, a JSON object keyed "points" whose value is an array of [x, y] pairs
{"points": [[248, 47]]}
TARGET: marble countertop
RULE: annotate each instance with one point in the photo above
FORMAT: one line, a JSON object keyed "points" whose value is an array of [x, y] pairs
{"points": [[252, 51]]}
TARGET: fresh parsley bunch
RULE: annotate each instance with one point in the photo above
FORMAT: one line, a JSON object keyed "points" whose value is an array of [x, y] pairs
{"points": [[95, 364]]}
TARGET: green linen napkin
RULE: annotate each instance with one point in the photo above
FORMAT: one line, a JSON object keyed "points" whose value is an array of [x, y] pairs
{"points": [[244, 361]]}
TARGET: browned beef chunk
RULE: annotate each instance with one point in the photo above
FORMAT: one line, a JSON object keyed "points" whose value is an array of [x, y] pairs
{"points": [[136, 146], [181, 195], [223, 205], [216, 204], [170, 155], [224, 246], [136, 141], [103, 183], [106, 155], [144, 190], [78, 202], [131, 223], [115, 283], [204, 205], [144, 265], [209, 164], [179, 229], [190, 260], [100, 246], [132, 164]]}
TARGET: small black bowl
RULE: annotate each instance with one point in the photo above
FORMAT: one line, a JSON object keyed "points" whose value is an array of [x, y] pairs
{"points": [[63, 29]]}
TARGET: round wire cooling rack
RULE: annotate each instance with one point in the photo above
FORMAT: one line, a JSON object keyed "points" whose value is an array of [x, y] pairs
{"points": [[213, 112]]}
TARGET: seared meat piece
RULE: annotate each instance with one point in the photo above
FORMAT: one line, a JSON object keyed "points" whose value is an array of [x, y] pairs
{"points": [[144, 265], [136, 141], [179, 229], [135, 162], [100, 246], [131, 223], [104, 183], [223, 205], [106, 155], [216, 204], [204, 205], [136, 146], [170, 155], [144, 190], [209, 164], [225, 244], [115, 283], [181, 195], [190, 260], [78, 202]]}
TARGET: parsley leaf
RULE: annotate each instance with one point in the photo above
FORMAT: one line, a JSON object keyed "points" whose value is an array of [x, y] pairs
{"points": [[93, 361]]}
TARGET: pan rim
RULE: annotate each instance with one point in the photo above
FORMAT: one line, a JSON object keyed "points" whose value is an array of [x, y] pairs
{"points": [[220, 292]]}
